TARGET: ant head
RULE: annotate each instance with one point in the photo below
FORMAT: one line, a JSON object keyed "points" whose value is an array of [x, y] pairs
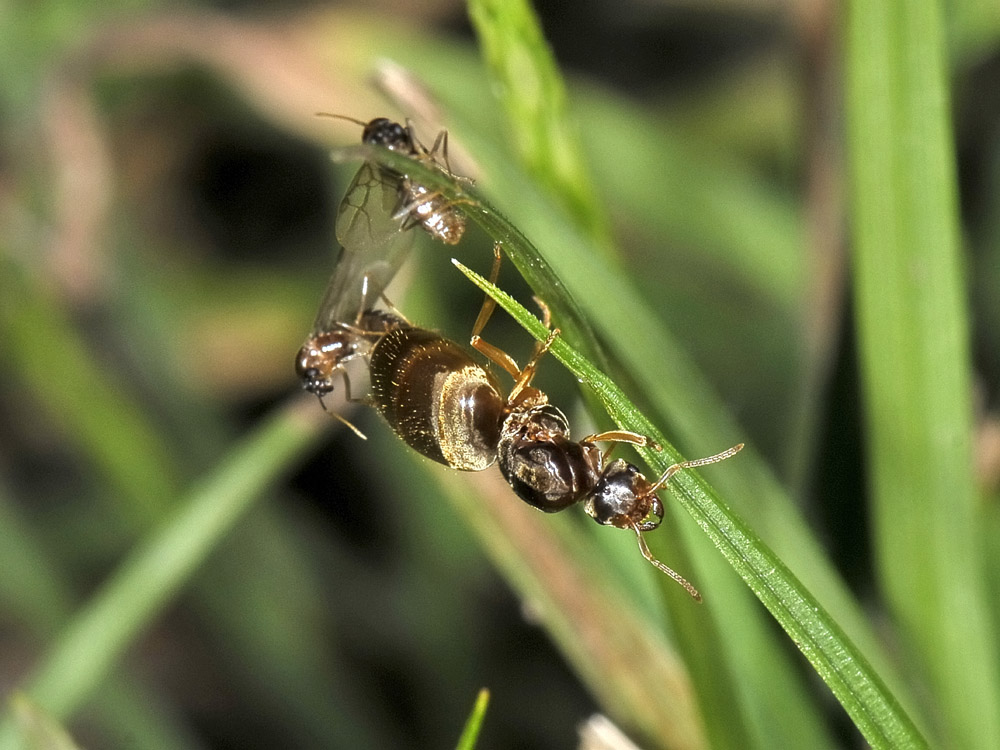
{"points": [[321, 357], [384, 132], [623, 498], [380, 132]]}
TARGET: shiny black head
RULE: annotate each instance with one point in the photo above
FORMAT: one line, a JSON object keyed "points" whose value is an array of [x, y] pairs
{"points": [[384, 132], [623, 498]]}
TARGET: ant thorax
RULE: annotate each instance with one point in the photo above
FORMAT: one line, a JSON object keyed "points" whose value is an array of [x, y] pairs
{"points": [[543, 466]]}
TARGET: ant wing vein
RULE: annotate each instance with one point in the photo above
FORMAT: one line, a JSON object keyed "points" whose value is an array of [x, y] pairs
{"points": [[374, 242]]}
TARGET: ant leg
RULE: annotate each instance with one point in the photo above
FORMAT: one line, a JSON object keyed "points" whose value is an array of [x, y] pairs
{"points": [[528, 373], [347, 387], [394, 310], [347, 396], [489, 304], [492, 353], [546, 312], [410, 212], [622, 436], [662, 481], [411, 136], [406, 210], [441, 142], [669, 571]]}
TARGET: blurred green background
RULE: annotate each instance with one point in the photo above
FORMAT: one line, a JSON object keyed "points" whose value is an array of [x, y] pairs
{"points": [[168, 203]]}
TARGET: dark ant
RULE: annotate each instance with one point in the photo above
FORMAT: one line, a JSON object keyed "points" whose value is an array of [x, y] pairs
{"points": [[449, 408]]}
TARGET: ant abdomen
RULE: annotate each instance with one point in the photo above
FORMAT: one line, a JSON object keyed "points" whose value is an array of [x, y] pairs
{"points": [[541, 464], [436, 398]]}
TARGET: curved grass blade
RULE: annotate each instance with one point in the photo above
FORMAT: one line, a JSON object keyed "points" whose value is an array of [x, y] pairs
{"points": [[529, 262], [662, 368], [532, 91], [874, 710]]}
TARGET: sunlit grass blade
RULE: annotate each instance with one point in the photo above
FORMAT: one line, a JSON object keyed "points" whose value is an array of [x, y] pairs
{"points": [[914, 335], [532, 91], [859, 689], [96, 638], [674, 386], [474, 724], [36, 728]]}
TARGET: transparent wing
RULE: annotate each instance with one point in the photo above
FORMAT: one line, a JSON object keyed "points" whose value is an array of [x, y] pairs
{"points": [[374, 243]]}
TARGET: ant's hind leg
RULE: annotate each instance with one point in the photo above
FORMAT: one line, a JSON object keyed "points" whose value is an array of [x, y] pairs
{"points": [[492, 353], [489, 304], [526, 375], [522, 378]]}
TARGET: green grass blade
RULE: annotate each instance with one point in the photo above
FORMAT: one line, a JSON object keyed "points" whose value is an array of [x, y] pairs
{"points": [[913, 331], [859, 689], [38, 729], [96, 638], [532, 91], [42, 348], [673, 385], [470, 734]]}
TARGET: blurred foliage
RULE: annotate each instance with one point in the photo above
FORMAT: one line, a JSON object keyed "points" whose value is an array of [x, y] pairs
{"points": [[167, 207]]}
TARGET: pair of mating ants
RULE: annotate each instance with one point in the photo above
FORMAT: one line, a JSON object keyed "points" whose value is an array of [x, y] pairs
{"points": [[447, 406]]}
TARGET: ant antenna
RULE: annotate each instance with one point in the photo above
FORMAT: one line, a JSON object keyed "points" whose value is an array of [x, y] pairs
{"points": [[350, 426], [662, 481], [669, 571], [342, 420], [342, 117]]}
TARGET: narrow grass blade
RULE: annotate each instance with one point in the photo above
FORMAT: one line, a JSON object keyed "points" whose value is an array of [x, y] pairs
{"points": [[532, 91], [860, 690], [474, 724], [914, 342], [82, 657], [42, 348]]}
